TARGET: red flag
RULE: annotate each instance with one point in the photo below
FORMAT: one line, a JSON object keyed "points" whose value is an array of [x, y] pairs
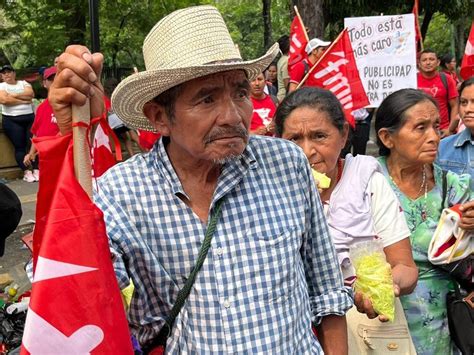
{"points": [[75, 305], [418, 37], [467, 65], [298, 41], [147, 139], [102, 156], [337, 72]]}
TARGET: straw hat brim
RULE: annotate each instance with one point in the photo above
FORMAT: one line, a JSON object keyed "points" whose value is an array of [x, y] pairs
{"points": [[135, 91]]}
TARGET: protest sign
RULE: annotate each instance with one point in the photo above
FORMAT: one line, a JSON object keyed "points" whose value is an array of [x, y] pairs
{"points": [[385, 51]]}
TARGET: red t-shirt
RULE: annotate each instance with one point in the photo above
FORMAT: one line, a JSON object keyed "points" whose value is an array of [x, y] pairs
{"points": [[263, 111], [298, 73], [434, 87], [453, 75], [45, 122]]}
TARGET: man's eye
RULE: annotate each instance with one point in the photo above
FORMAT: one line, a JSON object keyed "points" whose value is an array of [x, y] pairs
{"points": [[207, 100]]}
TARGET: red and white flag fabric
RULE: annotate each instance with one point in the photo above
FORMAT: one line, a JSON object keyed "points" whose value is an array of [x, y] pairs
{"points": [[467, 64], [75, 306], [102, 156], [337, 72], [418, 37], [298, 41]]}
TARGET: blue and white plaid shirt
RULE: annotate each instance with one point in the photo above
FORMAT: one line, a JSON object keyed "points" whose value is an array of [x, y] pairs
{"points": [[271, 267]]}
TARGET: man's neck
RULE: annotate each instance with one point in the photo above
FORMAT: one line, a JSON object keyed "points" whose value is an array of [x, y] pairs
{"points": [[259, 97], [429, 75], [198, 179], [312, 60]]}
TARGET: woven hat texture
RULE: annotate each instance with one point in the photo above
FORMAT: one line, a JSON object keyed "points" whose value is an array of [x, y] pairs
{"points": [[185, 45]]}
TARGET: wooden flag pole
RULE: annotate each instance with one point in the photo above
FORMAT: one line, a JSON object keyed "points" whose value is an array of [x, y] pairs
{"points": [[302, 23], [324, 54], [81, 150]]}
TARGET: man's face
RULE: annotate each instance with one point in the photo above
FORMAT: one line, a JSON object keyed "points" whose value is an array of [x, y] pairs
{"points": [[428, 63], [212, 118], [257, 86], [48, 82], [318, 52]]}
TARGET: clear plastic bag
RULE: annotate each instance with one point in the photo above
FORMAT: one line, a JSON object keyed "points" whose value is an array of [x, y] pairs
{"points": [[374, 276]]}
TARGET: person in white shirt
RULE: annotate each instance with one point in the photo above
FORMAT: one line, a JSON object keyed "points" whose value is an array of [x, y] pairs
{"points": [[17, 115], [359, 203]]}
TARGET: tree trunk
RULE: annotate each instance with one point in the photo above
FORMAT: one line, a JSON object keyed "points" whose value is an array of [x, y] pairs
{"points": [[460, 38], [312, 14], [267, 23], [76, 21], [428, 15]]}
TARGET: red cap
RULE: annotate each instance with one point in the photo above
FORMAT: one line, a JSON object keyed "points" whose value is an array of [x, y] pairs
{"points": [[49, 72]]}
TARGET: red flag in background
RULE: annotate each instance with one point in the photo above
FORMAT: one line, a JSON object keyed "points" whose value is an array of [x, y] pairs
{"points": [[75, 306], [102, 156], [418, 37], [337, 72], [467, 65], [298, 41]]}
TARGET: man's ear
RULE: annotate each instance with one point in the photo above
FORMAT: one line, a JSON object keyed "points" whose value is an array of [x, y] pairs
{"points": [[157, 116], [386, 138]]}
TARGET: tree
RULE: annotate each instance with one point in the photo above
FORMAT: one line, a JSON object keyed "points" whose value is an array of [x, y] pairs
{"points": [[312, 14], [267, 23]]}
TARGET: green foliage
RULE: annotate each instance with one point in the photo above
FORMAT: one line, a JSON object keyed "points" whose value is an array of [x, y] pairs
{"points": [[245, 22], [34, 33], [439, 34]]}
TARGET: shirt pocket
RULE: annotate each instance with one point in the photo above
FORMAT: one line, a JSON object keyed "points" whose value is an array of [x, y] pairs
{"points": [[271, 262], [454, 166]]}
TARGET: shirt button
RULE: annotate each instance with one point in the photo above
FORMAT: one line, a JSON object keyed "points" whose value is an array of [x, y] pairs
{"points": [[226, 304], [219, 251]]}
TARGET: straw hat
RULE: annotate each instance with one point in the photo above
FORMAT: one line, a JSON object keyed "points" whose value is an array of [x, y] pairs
{"points": [[185, 45]]}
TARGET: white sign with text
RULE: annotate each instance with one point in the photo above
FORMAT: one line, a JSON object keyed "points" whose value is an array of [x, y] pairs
{"points": [[385, 51]]}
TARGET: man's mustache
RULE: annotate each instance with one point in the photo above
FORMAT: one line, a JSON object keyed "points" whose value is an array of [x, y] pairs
{"points": [[224, 132]]}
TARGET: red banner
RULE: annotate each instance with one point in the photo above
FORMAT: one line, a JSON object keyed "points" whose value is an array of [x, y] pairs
{"points": [[337, 72], [75, 305], [467, 65], [298, 41], [418, 37]]}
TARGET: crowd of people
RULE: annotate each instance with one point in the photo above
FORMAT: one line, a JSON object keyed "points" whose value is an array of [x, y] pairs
{"points": [[23, 119], [238, 143]]}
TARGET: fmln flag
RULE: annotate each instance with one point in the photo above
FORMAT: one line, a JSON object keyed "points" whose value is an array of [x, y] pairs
{"points": [[298, 41], [75, 306], [337, 72], [467, 64]]}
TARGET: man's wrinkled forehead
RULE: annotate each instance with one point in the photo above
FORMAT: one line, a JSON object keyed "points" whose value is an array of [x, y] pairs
{"points": [[236, 77]]}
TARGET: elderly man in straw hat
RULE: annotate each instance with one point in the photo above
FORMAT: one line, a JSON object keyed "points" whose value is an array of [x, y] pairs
{"points": [[270, 269]]}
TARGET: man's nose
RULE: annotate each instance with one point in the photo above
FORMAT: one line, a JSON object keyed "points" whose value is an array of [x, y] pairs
{"points": [[229, 113]]}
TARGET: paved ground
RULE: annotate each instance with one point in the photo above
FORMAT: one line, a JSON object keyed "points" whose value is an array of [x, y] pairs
{"points": [[16, 254]]}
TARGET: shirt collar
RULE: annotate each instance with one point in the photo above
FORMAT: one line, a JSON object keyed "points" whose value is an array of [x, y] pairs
{"points": [[464, 136], [231, 173]]}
